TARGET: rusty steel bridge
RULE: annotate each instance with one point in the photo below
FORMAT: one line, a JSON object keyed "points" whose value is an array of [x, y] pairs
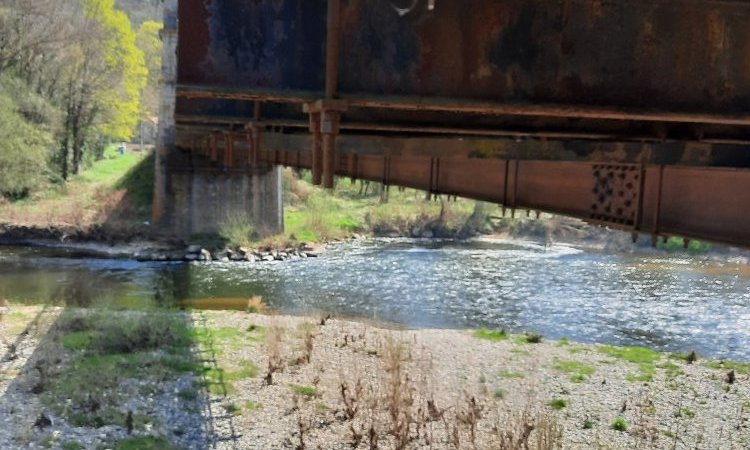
{"points": [[633, 114]]}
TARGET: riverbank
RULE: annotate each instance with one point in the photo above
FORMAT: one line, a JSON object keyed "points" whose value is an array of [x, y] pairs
{"points": [[237, 380]]}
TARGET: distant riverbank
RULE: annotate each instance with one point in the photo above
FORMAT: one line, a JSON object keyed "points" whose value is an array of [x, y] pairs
{"points": [[239, 380]]}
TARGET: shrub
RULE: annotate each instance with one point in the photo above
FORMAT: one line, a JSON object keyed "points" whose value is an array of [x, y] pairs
{"points": [[558, 403], [24, 151], [238, 229], [620, 424], [491, 335]]}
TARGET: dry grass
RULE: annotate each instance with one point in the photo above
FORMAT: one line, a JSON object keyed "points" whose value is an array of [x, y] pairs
{"points": [[274, 342], [255, 305]]}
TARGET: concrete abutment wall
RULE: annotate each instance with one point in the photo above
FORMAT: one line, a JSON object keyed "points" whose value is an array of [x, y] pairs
{"points": [[198, 198]]}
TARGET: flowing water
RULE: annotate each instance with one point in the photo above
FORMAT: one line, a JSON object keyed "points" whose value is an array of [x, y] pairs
{"points": [[668, 302]]}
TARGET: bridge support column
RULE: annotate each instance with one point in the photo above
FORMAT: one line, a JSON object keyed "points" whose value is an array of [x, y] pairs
{"points": [[201, 201], [192, 195], [325, 121]]}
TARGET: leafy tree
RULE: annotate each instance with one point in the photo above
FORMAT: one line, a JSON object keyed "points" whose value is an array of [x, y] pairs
{"points": [[105, 75], [151, 45], [124, 62], [24, 149]]}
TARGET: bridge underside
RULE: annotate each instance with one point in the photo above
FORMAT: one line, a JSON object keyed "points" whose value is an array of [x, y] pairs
{"points": [[632, 114]]}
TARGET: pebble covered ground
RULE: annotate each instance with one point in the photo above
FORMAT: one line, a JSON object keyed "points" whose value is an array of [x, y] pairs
{"points": [[280, 382]]}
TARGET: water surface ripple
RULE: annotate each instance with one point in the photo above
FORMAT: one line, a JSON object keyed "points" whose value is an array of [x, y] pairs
{"points": [[669, 302]]}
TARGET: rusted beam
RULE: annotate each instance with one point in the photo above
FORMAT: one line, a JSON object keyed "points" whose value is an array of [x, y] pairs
{"points": [[228, 93], [546, 110], [461, 131], [567, 111], [317, 149], [692, 202]]}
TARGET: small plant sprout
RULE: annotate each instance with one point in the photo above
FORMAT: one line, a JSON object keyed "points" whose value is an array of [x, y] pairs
{"points": [[533, 338], [558, 403], [620, 424]]}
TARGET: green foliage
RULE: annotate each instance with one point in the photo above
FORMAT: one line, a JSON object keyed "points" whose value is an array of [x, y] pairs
{"points": [[107, 348], [491, 335], [684, 412], [578, 371], [122, 56], [79, 340], [509, 374], [143, 443], [305, 391], [637, 355], [533, 338], [645, 374], [72, 445], [558, 403], [238, 229], [738, 367], [672, 370], [675, 244], [24, 150], [150, 44], [620, 424], [314, 214], [138, 183], [233, 409], [252, 405]]}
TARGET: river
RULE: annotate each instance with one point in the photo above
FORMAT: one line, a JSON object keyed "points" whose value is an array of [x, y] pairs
{"points": [[674, 302]]}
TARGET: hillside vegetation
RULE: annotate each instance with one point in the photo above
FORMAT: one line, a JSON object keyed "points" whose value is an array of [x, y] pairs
{"points": [[74, 77]]}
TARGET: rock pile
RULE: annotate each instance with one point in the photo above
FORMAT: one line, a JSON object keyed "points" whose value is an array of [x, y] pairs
{"points": [[196, 253]]}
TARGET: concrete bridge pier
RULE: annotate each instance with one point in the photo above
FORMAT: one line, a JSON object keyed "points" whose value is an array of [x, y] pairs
{"points": [[195, 195], [200, 202]]}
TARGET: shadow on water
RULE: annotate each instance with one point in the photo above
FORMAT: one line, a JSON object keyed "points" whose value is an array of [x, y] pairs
{"points": [[134, 375]]}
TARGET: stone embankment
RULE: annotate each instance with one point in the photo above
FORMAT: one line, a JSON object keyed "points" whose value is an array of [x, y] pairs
{"points": [[196, 253]]}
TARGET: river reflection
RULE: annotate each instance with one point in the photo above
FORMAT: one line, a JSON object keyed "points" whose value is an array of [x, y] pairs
{"points": [[675, 303]]}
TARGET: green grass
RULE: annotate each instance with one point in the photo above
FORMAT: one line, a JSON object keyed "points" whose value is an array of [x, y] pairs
{"points": [[143, 443], [107, 348], [509, 374], [238, 229], [577, 370], [252, 406], [520, 351], [220, 381], [305, 391], [233, 409], [72, 445], [533, 338], [642, 356], [79, 340], [645, 374], [685, 413], [314, 214], [620, 424], [672, 370], [491, 335], [115, 191], [738, 367], [558, 403], [675, 244], [636, 355]]}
